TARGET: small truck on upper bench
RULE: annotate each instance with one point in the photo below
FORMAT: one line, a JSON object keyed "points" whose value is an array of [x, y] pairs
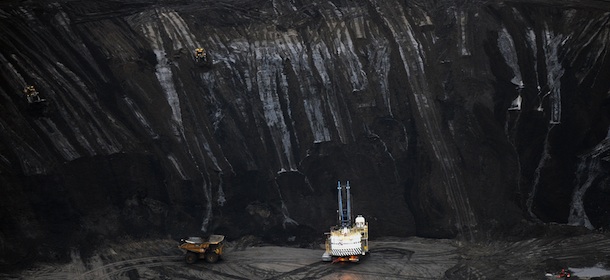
{"points": [[197, 248]]}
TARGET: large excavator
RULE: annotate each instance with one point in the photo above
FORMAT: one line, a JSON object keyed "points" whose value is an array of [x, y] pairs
{"points": [[347, 241], [32, 95], [202, 58], [36, 104]]}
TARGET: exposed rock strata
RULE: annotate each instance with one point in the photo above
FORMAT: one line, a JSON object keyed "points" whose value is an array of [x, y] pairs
{"points": [[407, 100]]}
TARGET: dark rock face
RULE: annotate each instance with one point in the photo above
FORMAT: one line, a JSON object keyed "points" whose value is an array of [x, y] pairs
{"points": [[408, 101]]}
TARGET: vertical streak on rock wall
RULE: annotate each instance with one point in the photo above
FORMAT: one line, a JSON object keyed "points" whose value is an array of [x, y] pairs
{"points": [[140, 117], [202, 140], [228, 50], [429, 124], [554, 72], [178, 32], [272, 86], [591, 170], [313, 104], [537, 175], [334, 41], [551, 45], [509, 52], [296, 54], [381, 65], [346, 55], [462, 19], [585, 176], [164, 73]]}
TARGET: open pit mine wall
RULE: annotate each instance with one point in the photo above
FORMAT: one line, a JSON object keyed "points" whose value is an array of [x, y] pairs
{"points": [[408, 100]]}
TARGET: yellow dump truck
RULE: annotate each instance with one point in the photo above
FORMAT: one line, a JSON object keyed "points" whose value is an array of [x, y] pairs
{"points": [[209, 249]]}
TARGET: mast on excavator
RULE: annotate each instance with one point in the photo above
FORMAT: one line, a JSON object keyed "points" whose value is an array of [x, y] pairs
{"points": [[345, 215]]}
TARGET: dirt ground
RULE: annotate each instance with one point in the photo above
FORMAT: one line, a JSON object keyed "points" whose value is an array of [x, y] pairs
{"points": [[390, 258]]}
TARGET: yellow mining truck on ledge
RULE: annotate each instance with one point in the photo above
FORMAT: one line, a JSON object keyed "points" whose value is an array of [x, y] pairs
{"points": [[197, 248]]}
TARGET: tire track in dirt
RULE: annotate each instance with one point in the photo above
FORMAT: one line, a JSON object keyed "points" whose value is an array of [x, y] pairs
{"points": [[319, 270], [119, 267], [313, 271]]}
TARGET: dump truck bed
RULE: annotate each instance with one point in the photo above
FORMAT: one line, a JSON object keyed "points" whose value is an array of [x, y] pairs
{"points": [[199, 245]]}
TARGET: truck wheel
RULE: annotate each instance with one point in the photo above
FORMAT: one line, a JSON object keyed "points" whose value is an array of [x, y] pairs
{"points": [[211, 257], [191, 257]]}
